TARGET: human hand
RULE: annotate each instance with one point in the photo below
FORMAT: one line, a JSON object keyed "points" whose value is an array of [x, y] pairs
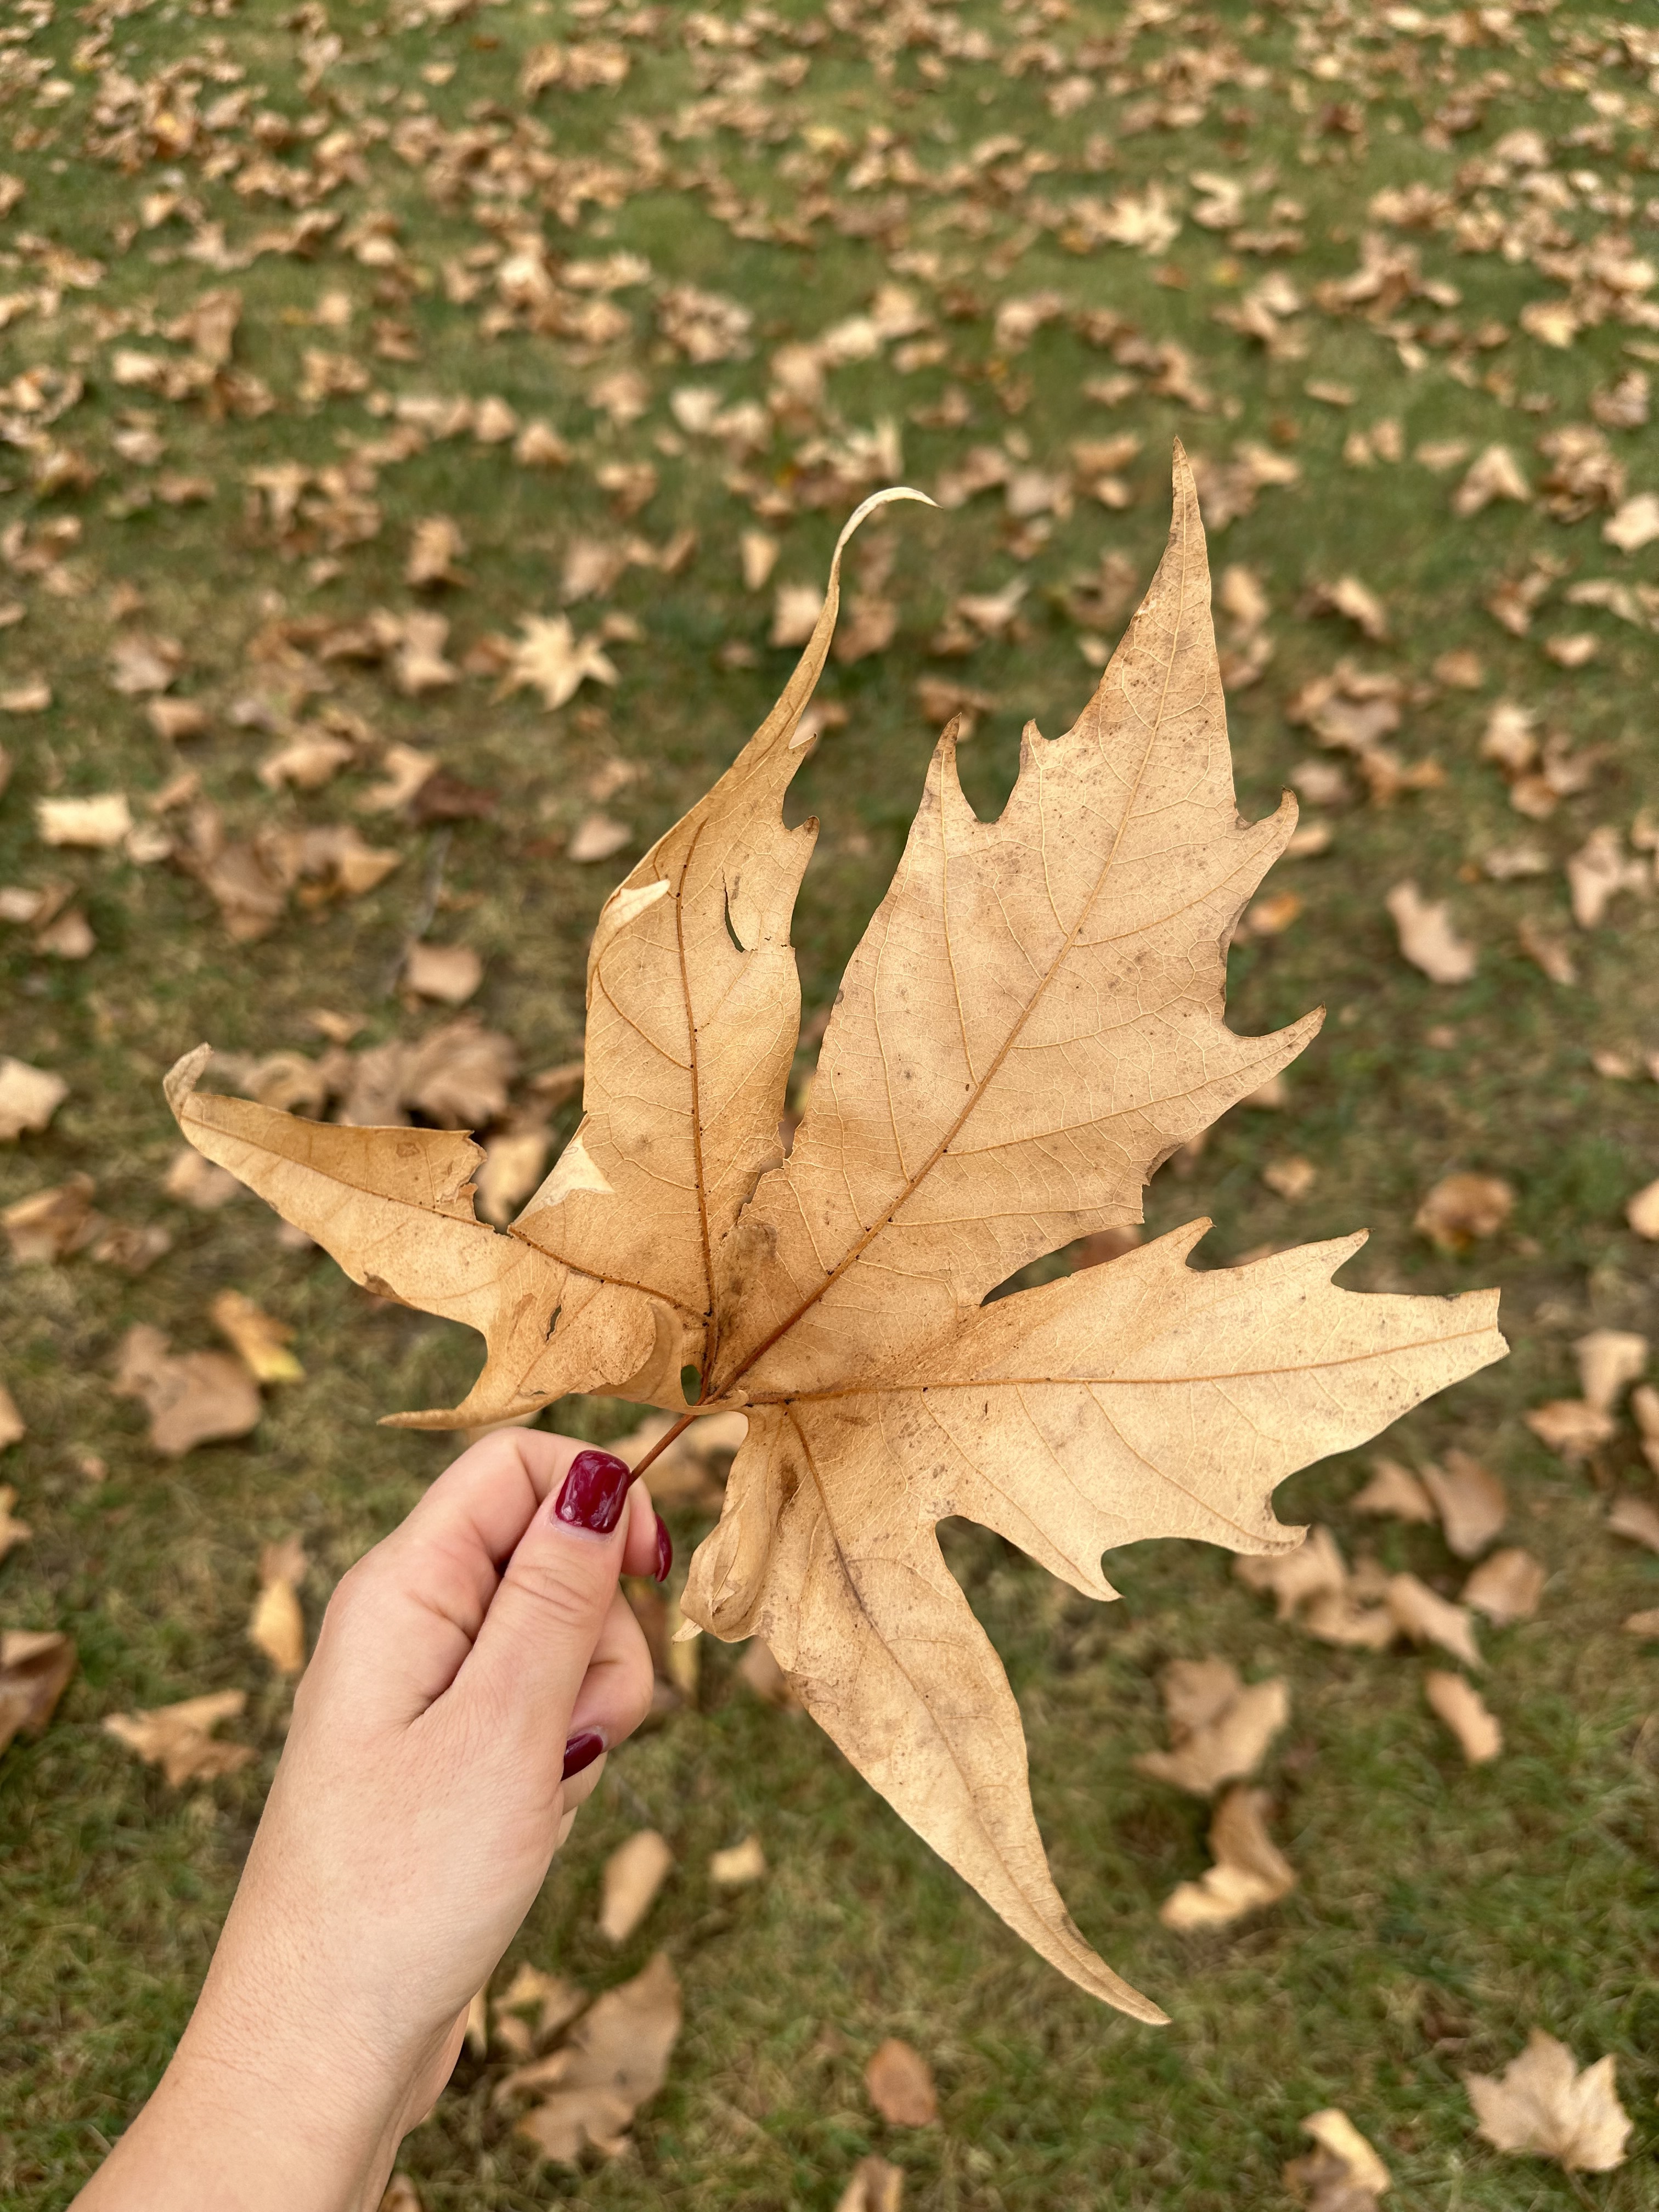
{"points": [[470, 1672]]}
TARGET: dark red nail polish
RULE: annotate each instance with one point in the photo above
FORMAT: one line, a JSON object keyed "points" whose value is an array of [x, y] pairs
{"points": [[664, 1550], [582, 1751], [594, 1492]]}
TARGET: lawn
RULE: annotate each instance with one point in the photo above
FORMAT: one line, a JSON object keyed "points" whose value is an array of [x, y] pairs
{"points": [[642, 301]]}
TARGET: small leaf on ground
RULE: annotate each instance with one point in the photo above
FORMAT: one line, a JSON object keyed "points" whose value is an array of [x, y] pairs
{"points": [[1220, 1729], [1249, 1870], [634, 1873], [179, 1740], [900, 2084], [1464, 1709], [1541, 2104], [616, 2059]]}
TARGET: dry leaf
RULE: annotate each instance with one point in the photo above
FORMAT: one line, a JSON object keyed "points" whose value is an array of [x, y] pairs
{"points": [[616, 2058], [1643, 1624], [513, 1163], [901, 2085], [876, 2186], [401, 2196], [1506, 1587], [195, 1182], [597, 837], [836, 1296], [1462, 1207], [1542, 2104], [1343, 2174], [760, 1672], [179, 1739], [1642, 1212], [556, 2002], [1427, 939], [435, 547], [1249, 1870], [1609, 1361], [1572, 1426], [1470, 1500], [450, 973], [1464, 1709], [13, 1427], [35, 1666], [1394, 1491], [29, 1097], [735, 1868], [276, 1625], [12, 1532], [96, 824], [191, 1398], [1220, 1729], [262, 1340], [634, 1873], [553, 660], [50, 1224], [1637, 1519], [1428, 1618]]}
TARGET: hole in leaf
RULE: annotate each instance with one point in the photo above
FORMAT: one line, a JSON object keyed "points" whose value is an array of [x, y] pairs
{"points": [[690, 1385]]}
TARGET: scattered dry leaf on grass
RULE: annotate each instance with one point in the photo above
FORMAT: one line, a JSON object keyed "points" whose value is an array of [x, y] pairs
{"points": [[95, 825], [1249, 1870], [758, 1671], [1342, 2172], [191, 1397], [1311, 1584], [900, 2084], [875, 2186], [1643, 1624], [836, 1296], [1642, 1212], [448, 973], [736, 1868], [1506, 1587], [554, 2001], [51, 1224], [1571, 1427], [1609, 1361], [1219, 1729], [276, 1625], [1464, 1710], [1470, 1500], [35, 1666], [1394, 1491], [401, 2196], [549, 657], [178, 1738], [616, 2059], [13, 1427], [261, 1339], [1427, 937], [634, 1873], [1636, 1518], [29, 1097], [1542, 2104], [12, 1532], [1428, 1618], [1462, 1207]]}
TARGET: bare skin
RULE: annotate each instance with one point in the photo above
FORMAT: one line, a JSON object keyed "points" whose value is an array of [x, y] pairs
{"points": [[418, 1803]]}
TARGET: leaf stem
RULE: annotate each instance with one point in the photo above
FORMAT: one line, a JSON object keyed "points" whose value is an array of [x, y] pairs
{"points": [[663, 1443]]}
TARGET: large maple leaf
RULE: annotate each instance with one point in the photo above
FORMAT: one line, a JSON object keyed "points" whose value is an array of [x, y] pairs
{"points": [[1032, 1023]]}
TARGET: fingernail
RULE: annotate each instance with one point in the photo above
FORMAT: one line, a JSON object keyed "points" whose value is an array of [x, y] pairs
{"points": [[664, 1550], [594, 1492], [582, 1751]]}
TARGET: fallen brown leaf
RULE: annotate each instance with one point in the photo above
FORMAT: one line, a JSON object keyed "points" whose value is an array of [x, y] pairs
{"points": [[1428, 1618], [191, 1398], [12, 1532], [1643, 1624], [1464, 1709], [1394, 1491], [1427, 937], [1637, 1519], [261, 1339], [1506, 1587], [1220, 1729], [178, 1738], [1471, 1501], [634, 1873], [901, 2085], [35, 1666], [1541, 2104], [617, 2058], [276, 1625], [450, 973], [13, 1427], [736, 1867], [1342, 2173], [1609, 1361], [836, 1296], [1249, 1870], [1462, 1207], [875, 2186], [1571, 1427], [51, 1224], [29, 1097]]}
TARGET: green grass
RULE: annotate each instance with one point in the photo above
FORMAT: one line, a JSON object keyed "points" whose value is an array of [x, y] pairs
{"points": [[1440, 1910]]}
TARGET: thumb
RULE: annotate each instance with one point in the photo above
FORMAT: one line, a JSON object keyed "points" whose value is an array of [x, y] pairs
{"points": [[538, 1638]]}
